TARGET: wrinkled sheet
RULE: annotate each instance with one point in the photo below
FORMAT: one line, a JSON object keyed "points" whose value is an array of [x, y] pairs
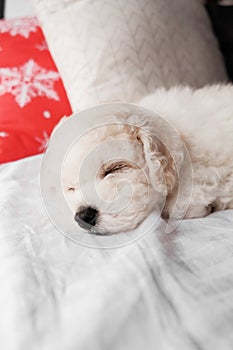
{"points": [[163, 292]]}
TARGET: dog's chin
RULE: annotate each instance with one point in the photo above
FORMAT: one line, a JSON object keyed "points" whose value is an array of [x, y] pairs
{"points": [[99, 231], [95, 230], [102, 231]]}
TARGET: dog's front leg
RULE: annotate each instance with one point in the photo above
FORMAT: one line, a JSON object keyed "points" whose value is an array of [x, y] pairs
{"points": [[186, 208], [196, 210]]}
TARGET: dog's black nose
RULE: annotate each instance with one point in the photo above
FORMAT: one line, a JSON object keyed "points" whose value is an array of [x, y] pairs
{"points": [[86, 217]]}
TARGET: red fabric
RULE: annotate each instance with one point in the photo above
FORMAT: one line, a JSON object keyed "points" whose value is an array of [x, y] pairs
{"points": [[32, 96]]}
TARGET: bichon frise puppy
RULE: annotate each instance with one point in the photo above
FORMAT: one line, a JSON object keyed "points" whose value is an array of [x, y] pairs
{"points": [[118, 173]]}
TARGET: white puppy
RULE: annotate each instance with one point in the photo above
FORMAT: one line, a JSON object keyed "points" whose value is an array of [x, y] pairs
{"points": [[117, 173]]}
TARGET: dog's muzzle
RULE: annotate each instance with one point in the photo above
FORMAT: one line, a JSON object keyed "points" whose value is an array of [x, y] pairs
{"points": [[86, 217]]}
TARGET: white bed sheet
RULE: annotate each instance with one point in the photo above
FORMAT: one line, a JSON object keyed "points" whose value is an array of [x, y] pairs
{"points": [[163, 292]]}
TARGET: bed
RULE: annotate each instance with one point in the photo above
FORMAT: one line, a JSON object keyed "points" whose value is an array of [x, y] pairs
{"points": [[163, 291]]}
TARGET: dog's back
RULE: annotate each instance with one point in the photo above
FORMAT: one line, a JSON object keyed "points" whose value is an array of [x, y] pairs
{"points": [[204, 119]]}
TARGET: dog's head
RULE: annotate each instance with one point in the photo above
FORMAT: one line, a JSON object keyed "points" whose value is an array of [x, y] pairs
{"points": [[117, 173]]}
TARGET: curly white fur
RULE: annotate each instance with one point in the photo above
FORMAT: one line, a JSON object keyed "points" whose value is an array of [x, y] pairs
{"points": [[204, 119], [154, 151]]}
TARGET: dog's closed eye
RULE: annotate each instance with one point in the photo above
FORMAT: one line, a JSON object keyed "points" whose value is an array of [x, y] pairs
{"points": [[113, 168], [70, 189]]}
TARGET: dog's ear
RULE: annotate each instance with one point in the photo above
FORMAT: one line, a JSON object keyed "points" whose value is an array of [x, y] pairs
{"points": [[163, 153]]}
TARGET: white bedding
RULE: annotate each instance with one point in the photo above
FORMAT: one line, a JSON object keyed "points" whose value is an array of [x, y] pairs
{"points": [[163, 292]]}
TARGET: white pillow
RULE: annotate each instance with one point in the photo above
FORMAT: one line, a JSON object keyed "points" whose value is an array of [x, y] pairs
{"points": [[123, 50]]}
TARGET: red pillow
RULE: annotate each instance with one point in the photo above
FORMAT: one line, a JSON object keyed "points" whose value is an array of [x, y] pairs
{"points": [[32, 96]]}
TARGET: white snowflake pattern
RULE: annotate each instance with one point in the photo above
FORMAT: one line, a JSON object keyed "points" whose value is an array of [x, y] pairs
{"points": [[19, 26], [46, 114], [27, 82], [42, 141], [42, 46], [3, 134]]}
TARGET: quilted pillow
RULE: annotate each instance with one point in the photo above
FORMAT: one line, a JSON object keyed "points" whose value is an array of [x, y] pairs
{"points": [[123, 50], [32, 96]]}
